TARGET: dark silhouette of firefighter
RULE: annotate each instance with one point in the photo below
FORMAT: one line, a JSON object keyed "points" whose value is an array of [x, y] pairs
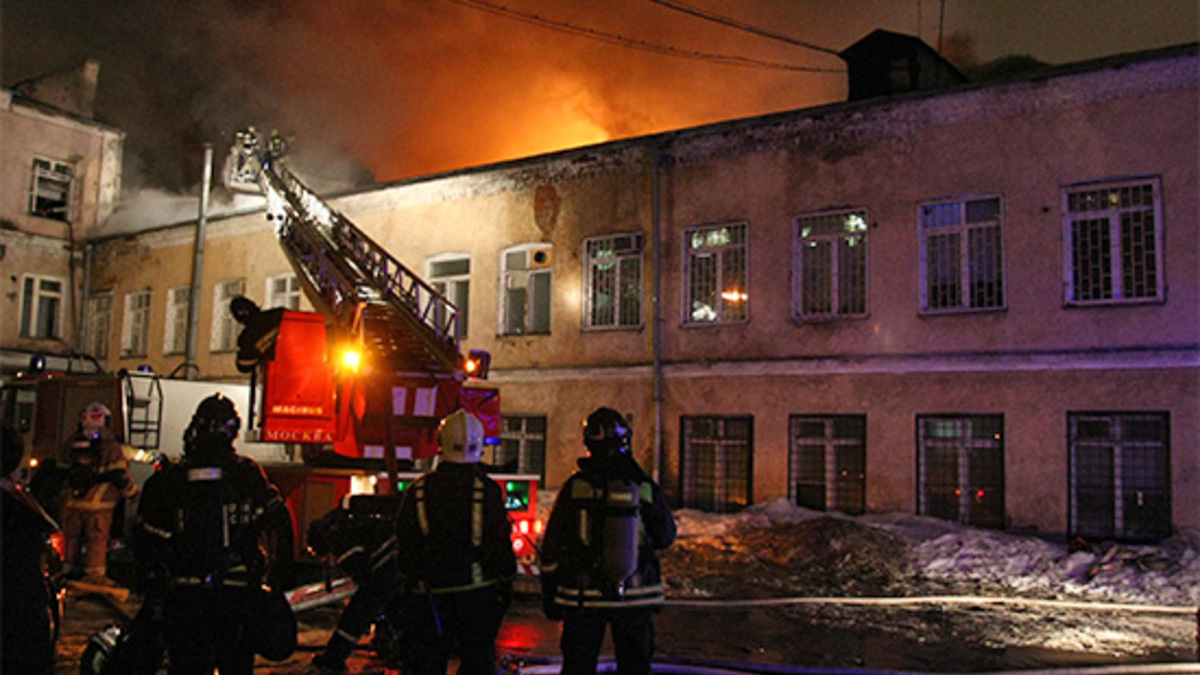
{"points": [[97, 480], [455, 552], [256, 342], [600, 568], [210, 530], [361, 539], [27, 601]]}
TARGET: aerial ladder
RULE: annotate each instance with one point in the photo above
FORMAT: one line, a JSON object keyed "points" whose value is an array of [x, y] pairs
{"points": [[406, 332]]}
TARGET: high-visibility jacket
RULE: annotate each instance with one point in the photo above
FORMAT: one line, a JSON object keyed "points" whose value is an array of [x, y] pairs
{"points": [[453, 531], [572, 549]]}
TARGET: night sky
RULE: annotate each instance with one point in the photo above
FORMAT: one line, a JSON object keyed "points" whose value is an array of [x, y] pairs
{"points": [[389, 89]]}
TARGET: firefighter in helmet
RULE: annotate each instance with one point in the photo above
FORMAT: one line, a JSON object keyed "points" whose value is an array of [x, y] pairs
{"points": [[599, 562], [97, 480], [203, 526], [455, 552]]}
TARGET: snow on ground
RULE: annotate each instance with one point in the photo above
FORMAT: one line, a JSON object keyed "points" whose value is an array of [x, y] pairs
{"points": [[914, 555]]}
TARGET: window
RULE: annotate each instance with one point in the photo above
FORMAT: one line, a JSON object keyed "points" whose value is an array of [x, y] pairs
{"points": [[525, 285], [99, 320], [41, 307], [522, 446], [175, 332], [960, 466], [1113, 236], [1120, 476], [716, 463], [828, 463], [224, 326], [135, 332], [450, 275], [613, 281], [962, 255], [50, 190], [283, 290], [715, 270], [830, 265]]}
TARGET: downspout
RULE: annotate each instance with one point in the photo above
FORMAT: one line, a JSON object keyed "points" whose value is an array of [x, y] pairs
{"points": [[198, 267], [656, 159]]}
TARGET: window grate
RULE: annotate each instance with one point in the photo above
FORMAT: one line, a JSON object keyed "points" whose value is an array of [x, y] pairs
{"points": [[1115, 243], [831, 265], [828, 463], [613, 292], [1119, 476], [715, 267], [962, 255], [961, 469], [716, 463]]}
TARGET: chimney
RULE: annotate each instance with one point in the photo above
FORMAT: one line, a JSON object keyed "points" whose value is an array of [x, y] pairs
{"points": [[72, 90]]}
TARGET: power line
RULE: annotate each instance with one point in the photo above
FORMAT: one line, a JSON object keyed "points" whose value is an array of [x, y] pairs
{"points": [[733, 23], [620, 40]]}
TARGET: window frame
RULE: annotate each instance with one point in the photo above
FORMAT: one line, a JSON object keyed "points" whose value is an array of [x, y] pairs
{"points": [[531, 459], [290, 295], [59, 174], [968, 261], [725, 488], [1116, 255], [34, 312], [451, 286], [721, 314], [835, 279], [968, 479], [533, 271], [1118, 445], [175, 326], [623, 248], [99, 323], [224, 326], [135, 323], [835, 492]]}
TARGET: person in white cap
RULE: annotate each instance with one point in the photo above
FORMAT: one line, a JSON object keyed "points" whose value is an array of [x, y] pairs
{"points": [[455, 552]]}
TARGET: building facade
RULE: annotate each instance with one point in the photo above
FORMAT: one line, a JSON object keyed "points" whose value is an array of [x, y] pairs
{"points": [[980, 304], [60, 177]]}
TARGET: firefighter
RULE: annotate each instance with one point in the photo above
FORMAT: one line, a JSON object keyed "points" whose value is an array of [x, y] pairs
{"points": [[256, 342], [599, 562], [361, 540], [96, 482], [455, 552], [202, 528], [26, 598]]}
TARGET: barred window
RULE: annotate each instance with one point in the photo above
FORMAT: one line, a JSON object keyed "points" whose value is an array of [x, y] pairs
{"points": [[50, 189], [41, 306], [522, 446], [450, 275], [224, 326], [716, 274], [1120, 478], [135, 329], [175, 332], [283, 290], [99, 320], [828, 462], [716, 463], [961, 468], [1113, 235], [613, 281], [830, 262], [962, 255]]}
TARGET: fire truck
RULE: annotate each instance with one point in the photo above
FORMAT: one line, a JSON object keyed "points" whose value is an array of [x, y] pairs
{"points": [[342, 401]]}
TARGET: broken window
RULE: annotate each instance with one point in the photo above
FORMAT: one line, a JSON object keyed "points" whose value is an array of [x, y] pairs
{"points": [[50, 190]]}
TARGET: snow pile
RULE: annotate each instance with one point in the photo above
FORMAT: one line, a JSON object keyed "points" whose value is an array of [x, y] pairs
{"points": [[777, 549]]}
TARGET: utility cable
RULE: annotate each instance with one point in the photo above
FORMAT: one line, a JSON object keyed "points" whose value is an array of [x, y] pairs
{"points": [[749, 28], [620, 40]]}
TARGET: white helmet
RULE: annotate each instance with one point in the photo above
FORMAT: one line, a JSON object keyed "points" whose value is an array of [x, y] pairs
{"points": [[461, 438]]}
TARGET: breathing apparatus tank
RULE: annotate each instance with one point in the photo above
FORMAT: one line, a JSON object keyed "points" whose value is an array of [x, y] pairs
{"points": [[607, 436]]}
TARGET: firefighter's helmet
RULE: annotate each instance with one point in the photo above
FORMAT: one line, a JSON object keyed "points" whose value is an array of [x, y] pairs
{"points": [[214, 426], [606, 434], [461, 438]]}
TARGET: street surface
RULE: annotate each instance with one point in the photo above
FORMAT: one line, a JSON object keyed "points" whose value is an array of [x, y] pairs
{"points": [[947, 639]]}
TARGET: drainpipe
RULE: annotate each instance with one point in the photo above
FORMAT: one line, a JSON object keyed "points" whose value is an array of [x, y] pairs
{"points": [[198, 266], [656, 159]]}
